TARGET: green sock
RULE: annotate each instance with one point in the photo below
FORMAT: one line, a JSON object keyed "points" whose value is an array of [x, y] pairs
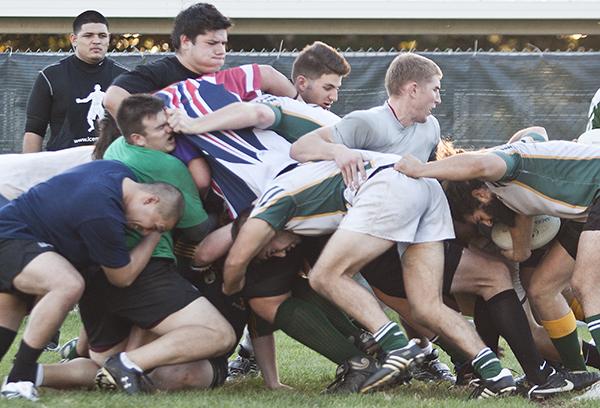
{"points": [[563, 333], [593, 323], [305, 323], [337, 318], [570, 351], [390, 337], [486, 364]]}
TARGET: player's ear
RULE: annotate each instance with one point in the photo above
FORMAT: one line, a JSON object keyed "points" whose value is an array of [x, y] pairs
{"points": [[138, 139], [301, 82]]}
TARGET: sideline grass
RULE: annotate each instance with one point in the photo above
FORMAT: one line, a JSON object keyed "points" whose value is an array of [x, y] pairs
{"points": [[299, 367]]}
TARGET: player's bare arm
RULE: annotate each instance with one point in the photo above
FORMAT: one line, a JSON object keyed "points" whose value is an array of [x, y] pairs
{"points": [[319, 145], [32, 142], [521, 238], [275, 83], [464, 166], [113, 98], [253, 236], [138, 258], [214, 246], [238, 115]]}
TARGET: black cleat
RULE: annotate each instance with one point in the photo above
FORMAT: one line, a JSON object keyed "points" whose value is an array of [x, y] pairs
{"points": [[556, 383], [396, 363], [582, 379], [244, 365], [433, 370], [125, 379], [501, 385], [351, 374]]}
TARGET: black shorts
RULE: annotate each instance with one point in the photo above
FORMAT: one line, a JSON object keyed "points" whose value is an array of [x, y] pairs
{"points": [[568, 235], [593, 220], [15, 255], [109, 312], [273, 277], [385, 272], [234, 308]]}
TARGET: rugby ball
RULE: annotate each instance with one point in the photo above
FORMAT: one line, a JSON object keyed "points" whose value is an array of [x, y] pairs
{"points": [[545, 228], [591, 137]]}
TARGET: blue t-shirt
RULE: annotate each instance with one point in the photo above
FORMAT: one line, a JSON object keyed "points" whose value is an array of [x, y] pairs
{"points": [[79, 211]]}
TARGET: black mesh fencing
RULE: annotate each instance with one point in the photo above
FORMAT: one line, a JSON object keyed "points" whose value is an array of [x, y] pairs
{"points": [[486, 96]]}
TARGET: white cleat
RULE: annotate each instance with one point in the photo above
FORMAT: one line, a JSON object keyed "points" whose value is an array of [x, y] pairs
{"points": [[20, 389]]}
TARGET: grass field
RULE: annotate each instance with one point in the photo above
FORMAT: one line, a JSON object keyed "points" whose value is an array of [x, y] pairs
{"points": [[299, 367]]}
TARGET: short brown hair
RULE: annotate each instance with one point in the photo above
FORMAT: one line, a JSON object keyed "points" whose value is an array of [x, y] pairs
{"points": [[318, 59], [409, 67], [133, 110]]}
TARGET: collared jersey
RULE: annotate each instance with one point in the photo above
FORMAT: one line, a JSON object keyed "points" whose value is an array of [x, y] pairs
{"points": [[556, 178], [311, 199], [242, 161]]}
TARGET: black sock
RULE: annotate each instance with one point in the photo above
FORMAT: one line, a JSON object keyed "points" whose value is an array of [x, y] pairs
{"points": [[485, 326], [591, 355], [6, 338], [509, 318], [305, 323], [25, 364]]}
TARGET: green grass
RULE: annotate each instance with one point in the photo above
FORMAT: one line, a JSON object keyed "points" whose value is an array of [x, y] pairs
{"points": [[299, 367]]}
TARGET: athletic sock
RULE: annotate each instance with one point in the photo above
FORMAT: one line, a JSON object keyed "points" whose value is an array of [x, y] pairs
{"points": [[305, 323], [390, 337], [484, 325], [510, 320], [25, 364], [128, 363], [338, 319], [7, 336], [590, 354], [593, 323], [563, 333], [486, 364]]}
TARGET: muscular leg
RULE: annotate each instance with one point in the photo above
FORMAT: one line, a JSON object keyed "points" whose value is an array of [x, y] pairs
{"points": [[585, 279], [547, 282], [60, 286], [198, 331], [76, 373], [13, 310], [345, 253], [193, 375], [423, 276]]}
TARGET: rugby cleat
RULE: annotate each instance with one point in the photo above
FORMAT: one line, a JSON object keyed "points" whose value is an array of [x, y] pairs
{"points": [[501, 385], [243, 365], [396, 363], [555, 384], [351, 374], [19, 390], [582, 379], [68, 351], [433, 370], [125, 379]]}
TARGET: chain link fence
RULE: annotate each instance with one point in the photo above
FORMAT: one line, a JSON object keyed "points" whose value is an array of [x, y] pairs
{"points": [[486, 96]]}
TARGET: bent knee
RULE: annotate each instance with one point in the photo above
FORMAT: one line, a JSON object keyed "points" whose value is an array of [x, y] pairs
{"points": [[317, 278]]}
